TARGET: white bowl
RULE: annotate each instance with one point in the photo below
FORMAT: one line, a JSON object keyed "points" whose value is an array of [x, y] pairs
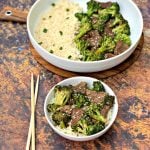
{"points": [[74, 81], [128, 9]]}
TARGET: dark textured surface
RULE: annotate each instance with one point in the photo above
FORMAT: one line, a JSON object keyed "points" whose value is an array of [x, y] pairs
{"points": [[131, 130]]}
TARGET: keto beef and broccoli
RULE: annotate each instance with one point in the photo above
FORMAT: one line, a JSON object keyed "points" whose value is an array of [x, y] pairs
{"points": [[103, 31], [83, 109]]}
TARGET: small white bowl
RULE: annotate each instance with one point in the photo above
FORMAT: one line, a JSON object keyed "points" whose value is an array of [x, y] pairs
{"points": [[74, 81], [128, 9]]}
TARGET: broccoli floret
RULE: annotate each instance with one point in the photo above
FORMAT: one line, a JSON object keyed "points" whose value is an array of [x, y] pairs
{"points": [[100, 24], [123, 29], [124, 38], [112, 10], [86, 126], [104, 16], [80, 16], [107, 45], [80, 100], [92, 129], [94, 112], [92, 7], [118, 20], [81, 44], [52, 107], [109, 100], [98, 86], [80, 126], [61, 118], [85, 25], [91, 56], [62, 94]]}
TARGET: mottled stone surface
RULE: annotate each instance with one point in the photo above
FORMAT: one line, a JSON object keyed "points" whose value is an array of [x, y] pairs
{"points": [[131, 130]]}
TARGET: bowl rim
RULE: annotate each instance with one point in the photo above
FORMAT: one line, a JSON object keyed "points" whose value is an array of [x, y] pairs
{"points": [[83, 138], [84, 62]]}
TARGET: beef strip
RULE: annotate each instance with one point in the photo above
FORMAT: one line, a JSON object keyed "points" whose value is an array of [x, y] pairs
{"points": [[93, 38], [108, 29], [77, 113], [120, 47], [95, 97], [105, 5], [105, 110], [94, 19], [109, 55], [67, 109], [80, 88]]}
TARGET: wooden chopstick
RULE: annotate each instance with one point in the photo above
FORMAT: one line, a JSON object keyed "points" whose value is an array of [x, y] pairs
{"points": [[32, 120]]}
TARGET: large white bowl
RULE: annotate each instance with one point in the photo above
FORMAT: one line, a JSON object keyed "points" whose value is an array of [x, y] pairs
{"points": [[128, 9], [74, 81]]}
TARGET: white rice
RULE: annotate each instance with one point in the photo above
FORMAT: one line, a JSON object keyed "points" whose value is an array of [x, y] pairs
{"points": [[61, 25]]}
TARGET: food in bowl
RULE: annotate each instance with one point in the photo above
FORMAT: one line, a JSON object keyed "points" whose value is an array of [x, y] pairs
{"points": [[99, 33], [56, 28], [79, 109]]}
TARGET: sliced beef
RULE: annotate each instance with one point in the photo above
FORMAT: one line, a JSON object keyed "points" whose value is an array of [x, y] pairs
{"points": [[67, 109], [80, 88], [95, 97], [93, 38], [109, 55], [105, 5], [105, 110], [94, 19], [77, 113], [120, 47], [108, 29]]}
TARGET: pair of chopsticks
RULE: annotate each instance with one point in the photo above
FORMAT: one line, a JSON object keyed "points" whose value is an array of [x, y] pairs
{"points": [[32, 120]]}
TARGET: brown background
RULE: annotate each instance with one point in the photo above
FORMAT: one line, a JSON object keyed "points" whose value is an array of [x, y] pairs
{"points": [[131, 130]]}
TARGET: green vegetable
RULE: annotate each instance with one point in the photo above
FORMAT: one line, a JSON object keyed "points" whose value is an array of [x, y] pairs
{"points": [[67, 9], [94, 112], [45, 30], [62, 95], [107, 45], [124, 38], [61, 118], [122, 29], [51, 51], [61, 33], [40, 43], [80, 100], [52, 107], [92, 7], [69, 57], [101, 20], [61, 48], [97, 86], [53, 4]]}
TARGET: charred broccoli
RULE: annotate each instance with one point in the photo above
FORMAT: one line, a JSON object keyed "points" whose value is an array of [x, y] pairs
{"points": [[80, 100], [107, 45], [92, 129], [52, 107], [61, 118], [87, 126], [62, 94], [92, 7], [97, 86], [108, 100]]}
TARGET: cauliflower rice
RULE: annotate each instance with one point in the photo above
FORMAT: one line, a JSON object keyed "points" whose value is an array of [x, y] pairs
{"points": [[56, 29]]}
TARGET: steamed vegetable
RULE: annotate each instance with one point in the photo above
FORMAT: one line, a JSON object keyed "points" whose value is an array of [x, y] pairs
{"points": [[110, 25]]}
